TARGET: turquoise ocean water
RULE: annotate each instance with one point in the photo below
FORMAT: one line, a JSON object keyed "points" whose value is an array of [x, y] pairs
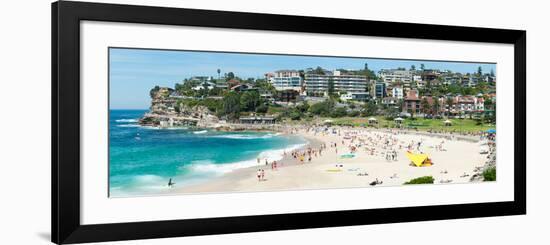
{"points": [[143, 159]]}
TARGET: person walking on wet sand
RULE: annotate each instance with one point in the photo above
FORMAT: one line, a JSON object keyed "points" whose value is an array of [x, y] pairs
{"points": [[263, 175], [259, 174]]}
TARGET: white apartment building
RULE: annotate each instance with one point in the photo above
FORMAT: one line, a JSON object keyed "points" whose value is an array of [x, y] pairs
{"points": [[316, 84], [391, 76], [285, 80], [397, 92]]}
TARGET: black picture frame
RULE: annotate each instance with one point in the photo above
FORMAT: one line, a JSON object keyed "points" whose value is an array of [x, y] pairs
{"points": [[66, 18]]}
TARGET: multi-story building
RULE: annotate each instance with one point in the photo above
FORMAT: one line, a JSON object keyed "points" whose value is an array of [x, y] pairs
{"points": [[318, 84], [411, 103], [465, 105], [468, 80], [378, 90], [451, 78], [285, 80], [390, 101], [391, 76], [430, 75], [356, 96], [397, 92]]}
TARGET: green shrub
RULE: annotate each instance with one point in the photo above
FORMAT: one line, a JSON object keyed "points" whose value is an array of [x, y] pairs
{"points": [[295, 115], [338, 112], [262, 108], [490, 174], [421, 180], [353, 113]]}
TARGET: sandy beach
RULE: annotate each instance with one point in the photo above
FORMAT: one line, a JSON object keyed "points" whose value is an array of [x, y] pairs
{"points": [[372, 157]]}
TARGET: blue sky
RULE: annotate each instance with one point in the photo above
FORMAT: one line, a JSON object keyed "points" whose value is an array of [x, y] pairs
{"points": [[133, 72]]}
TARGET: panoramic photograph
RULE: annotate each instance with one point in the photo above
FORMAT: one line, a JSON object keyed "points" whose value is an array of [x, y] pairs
{"points": [[197, 122]]}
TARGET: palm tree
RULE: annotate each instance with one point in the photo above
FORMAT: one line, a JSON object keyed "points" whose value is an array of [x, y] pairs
{"points": [[219, 71]]}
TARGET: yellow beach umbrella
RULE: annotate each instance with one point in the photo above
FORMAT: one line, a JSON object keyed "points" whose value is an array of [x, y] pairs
{"points": [[417, 159]]}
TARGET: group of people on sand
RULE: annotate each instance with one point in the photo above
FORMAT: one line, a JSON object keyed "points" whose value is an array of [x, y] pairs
{"points": [[308, 154], [261, 175], [391, 155], [384, 144]]}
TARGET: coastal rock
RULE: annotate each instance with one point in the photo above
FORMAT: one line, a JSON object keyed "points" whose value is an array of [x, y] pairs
{"points": [[167, 111]]}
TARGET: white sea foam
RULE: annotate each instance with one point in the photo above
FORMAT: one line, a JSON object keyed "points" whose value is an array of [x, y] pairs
{"points": [[129, 126], [246, 136], [160, 128], [201, 132], [147, 179], [126, 120], [206, 166]]}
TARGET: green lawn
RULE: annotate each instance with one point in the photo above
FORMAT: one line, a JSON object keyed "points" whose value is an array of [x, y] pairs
{"points": [[458, 125]]}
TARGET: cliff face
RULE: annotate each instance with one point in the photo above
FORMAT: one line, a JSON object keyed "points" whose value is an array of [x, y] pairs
{"points": [[167, 111]]}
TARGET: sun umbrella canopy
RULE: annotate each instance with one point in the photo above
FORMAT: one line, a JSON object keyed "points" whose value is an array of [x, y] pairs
{"points": [[417, 159], [491, 131]]}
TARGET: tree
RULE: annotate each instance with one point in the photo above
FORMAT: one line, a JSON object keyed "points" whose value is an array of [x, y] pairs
{"points": [[249, 100], [304, 107], [425, 105], [413, 67], [262, 108], [231, 105], [219, 72], [264, 86], [322, 108], [230, 75], [295, 115], [319, 70], [422, 67], [204, 90], [449, 103], [479, 71], [330, 87], [153, 91], [338, 112], [436, 106], [370, 109]]}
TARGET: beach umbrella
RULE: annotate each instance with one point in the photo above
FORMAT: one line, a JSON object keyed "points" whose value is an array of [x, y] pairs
{"points": [[419, 160], [491, 131], [372, 120], [398, 121]]}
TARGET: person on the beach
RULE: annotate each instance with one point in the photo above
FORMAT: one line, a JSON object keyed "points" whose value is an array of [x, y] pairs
{"points": [[259, 174], [263, 175]]}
